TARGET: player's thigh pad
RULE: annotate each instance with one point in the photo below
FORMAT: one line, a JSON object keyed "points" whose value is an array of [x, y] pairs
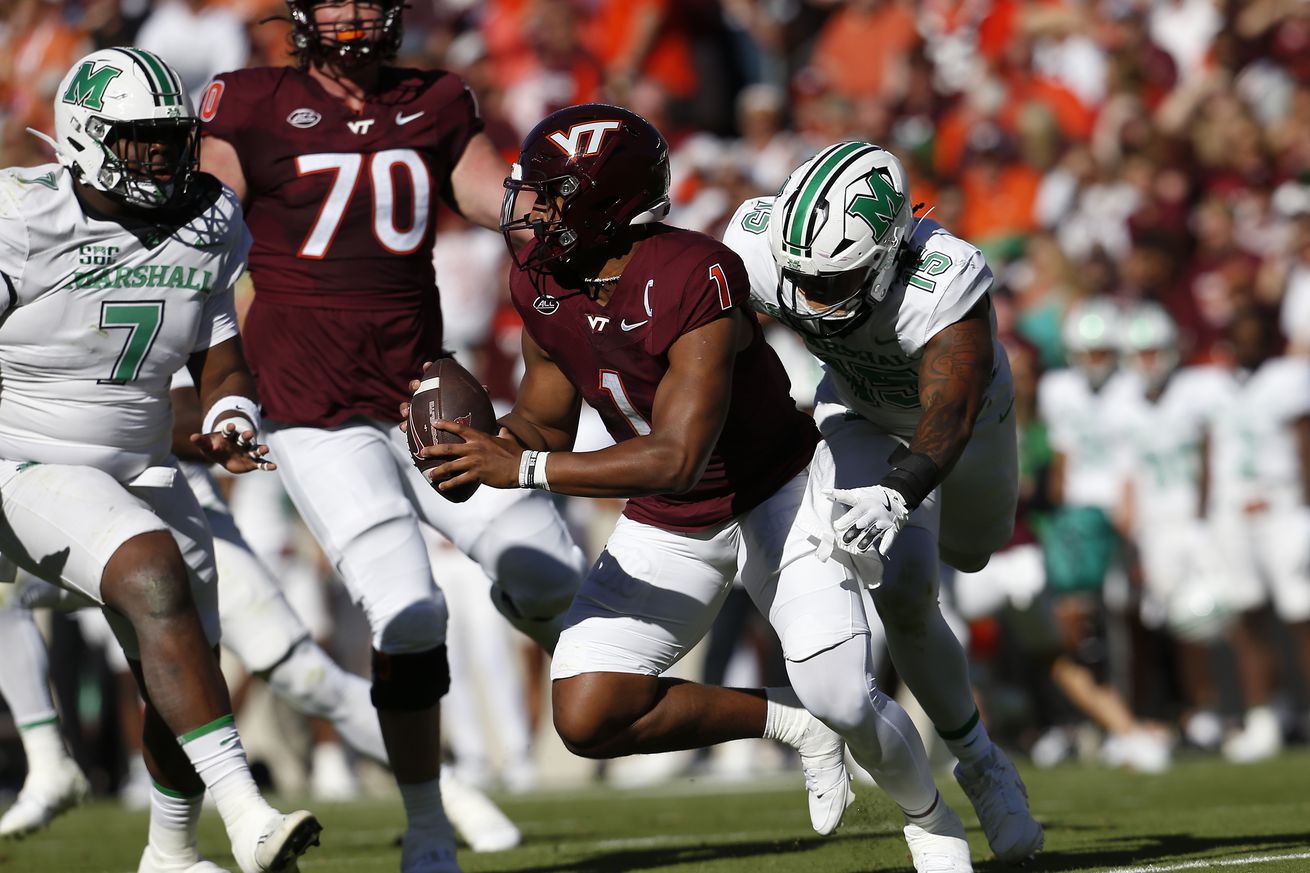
{"points": [[813, 605], [259, 626], [353, 495], [64, 523], [1283, 544], [980, 496], [648, 599]]}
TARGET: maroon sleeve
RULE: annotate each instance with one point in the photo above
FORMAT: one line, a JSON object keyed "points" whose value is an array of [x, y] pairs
{"points": [[228, 105], [717, 284], [461, 121]]}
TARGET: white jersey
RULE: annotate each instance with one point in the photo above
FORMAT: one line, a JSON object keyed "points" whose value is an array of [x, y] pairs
{"points": [[1082, 425], [1254, 454], [1162, 441], [874, 370], [97, 318]]}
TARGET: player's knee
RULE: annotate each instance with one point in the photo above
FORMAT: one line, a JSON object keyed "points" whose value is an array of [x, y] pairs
{"points": [[965, 562], [146, 579], [534, 583], [413, 627], [846, 703], [410, 681], [309, 680], [588, 718]]}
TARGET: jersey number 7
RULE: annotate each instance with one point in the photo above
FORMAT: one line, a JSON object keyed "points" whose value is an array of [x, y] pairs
{"points": [[346, 169]]}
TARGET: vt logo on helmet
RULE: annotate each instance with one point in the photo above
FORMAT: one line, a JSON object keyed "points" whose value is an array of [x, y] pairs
{"points": [[596, 170], [124, 126], [836, 231]]}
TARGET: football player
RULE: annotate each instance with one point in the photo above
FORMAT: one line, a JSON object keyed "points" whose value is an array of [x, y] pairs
{"points": [[117, 265], [1164, 430], [1260, 512], [918, 457], [341, 162], [649, 325], [259, 627]]}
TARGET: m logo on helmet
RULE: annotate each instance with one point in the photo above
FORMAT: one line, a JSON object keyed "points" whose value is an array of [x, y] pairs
{"points": [[594, 131], [89, 84], [879, 208]]}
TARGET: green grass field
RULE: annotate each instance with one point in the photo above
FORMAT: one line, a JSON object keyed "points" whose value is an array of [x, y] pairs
{"points": [[1202, 815]]}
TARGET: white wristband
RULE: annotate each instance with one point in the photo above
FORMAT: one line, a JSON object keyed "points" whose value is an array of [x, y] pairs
{"points": [[234, 409], [539, 471], [526, 462]]}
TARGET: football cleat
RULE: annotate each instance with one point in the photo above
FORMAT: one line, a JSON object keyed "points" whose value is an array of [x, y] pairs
{"points": [[428, 852], [153, 862], [1000, 799], [1261, 737], [939, 845], [273, 844], [45, 796], [476, 818], [823, 761]]}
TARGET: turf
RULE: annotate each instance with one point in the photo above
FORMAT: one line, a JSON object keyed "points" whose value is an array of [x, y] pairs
{"points": [[1203, 814]]}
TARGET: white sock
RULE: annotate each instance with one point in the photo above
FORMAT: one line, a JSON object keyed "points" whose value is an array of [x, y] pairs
{"points": [[174, 819], [216, 752], [423, 809], [785, 719], [970, 742], [43, 745]]}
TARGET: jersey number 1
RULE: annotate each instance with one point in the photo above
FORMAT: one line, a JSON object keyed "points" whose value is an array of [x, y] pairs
{"points": [[345, 168]]}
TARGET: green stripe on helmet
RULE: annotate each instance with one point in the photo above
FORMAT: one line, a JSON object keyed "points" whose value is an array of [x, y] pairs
{"points": [[168, 91], [809, 190]]}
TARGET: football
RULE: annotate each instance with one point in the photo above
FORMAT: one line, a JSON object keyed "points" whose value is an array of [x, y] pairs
{"points": [[447, 392]]}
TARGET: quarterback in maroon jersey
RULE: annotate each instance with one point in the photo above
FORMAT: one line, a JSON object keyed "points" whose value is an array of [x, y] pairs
{"points": [[340, 164], [649, 324]]}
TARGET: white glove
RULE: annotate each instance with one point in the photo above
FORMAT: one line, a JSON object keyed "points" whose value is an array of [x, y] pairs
{"points": [[877, 515]]}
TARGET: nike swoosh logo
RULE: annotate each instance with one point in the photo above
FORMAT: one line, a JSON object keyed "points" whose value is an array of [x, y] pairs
{"points": [[402, 118], [1006, 413], [624, 324]]}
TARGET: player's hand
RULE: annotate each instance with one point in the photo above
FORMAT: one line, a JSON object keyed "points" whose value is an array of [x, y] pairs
{"points": [[481, 458], [233, 450], [404, 404], [876, 516]]}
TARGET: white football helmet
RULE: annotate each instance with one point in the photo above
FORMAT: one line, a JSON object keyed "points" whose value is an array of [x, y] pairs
{"points": [[1091, 336], [1150, 343], [124, 125], [836, 231]]}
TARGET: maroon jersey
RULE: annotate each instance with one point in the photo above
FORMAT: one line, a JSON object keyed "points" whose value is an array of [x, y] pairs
{"points": [[617, 354], [343, 213]]}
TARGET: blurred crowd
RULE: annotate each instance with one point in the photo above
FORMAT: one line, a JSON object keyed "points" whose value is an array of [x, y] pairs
{"points": [[1098, 151]]}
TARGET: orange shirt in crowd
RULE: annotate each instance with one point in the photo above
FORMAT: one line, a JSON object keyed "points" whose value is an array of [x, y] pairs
{"points": [[861, 43], [615, 27], [998, 204]]}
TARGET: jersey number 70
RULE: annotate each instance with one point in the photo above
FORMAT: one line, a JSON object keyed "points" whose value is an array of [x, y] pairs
{"points": [[346, 169]]}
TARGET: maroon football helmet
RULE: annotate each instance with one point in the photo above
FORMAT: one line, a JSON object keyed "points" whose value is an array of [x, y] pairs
{"points": [[351, 42], [596, 170]]}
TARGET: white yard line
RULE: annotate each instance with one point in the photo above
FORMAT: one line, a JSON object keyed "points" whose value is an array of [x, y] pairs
{"points": [[1206, 864]]}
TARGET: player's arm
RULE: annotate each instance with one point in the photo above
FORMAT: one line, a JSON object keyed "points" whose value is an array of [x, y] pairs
{"points": [[690, 407], [220, 159], [187, 418], [478, 182], [229, 432], [545, 415], [953, 376]]}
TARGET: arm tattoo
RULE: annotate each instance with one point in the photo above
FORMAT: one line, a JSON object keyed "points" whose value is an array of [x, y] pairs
{"points": [[953, 377]]}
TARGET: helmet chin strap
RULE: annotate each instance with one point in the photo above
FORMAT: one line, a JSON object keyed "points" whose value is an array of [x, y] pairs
{"points": [[49, 140]]}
